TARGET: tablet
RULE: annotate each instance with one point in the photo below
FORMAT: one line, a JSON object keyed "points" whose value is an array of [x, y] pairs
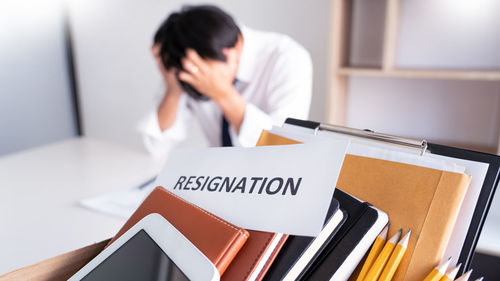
{"points": [[153, 249]]}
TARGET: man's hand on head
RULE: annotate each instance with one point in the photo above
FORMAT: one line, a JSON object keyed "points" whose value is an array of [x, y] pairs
{"points": [[211, 77], [167, 111], [215, 79], [170, 77]]}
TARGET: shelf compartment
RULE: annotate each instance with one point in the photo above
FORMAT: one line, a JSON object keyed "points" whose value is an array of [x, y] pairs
{"points": [[423, 73]]}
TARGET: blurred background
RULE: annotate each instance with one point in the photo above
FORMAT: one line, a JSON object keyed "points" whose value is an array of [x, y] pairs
{"points": [[414, 68]]}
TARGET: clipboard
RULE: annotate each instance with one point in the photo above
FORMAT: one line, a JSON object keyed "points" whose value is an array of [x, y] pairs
{"points": [[488, 188]]}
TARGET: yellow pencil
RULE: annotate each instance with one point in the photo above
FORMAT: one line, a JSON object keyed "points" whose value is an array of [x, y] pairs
{"points": [[395, 259], [376, 248], [465, 277], [383, 257], [451, 274], [438, 271]]}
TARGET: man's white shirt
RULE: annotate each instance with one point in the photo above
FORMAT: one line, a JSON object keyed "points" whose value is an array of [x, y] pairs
{"points": [[275, 79]]}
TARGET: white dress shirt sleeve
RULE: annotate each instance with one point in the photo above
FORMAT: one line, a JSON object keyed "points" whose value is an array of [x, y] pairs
{"points": [[158, 142], [288, 95]]}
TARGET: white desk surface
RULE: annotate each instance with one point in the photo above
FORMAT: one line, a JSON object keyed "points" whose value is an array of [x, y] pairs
{"points": [[39, 193]]}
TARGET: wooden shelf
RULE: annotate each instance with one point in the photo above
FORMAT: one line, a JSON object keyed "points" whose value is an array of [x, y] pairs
{"points": [[339, 70], [422, 74]]}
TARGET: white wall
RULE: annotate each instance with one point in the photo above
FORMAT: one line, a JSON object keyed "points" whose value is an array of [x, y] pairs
{"points": [[35, 97], [452, 34], [457, 34], [118, 78]]}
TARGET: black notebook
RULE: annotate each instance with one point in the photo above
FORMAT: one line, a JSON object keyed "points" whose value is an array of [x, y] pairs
{"points": [[299, 252], [343, 254]]}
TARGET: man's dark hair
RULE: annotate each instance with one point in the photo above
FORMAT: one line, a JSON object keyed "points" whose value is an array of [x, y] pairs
{"points": [[206, 29]]}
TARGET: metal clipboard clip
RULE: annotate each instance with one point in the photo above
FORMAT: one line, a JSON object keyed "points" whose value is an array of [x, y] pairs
{"points": [[420, 145]]}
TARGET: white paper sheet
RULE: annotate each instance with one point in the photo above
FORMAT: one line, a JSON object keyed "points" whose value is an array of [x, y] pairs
{"points": [[121, 203], [265, 207]]}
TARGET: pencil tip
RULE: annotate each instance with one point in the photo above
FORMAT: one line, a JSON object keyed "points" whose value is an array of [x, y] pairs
{"points": [[465, 276], [395, 238], [452, 273], [443, 266], [383, 234], [404, 241]]}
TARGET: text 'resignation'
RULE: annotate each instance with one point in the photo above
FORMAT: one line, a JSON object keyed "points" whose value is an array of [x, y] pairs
{"points": [[252, 185]]}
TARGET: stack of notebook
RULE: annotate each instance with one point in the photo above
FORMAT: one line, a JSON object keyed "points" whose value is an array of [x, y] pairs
{"points": [[350, 228]]}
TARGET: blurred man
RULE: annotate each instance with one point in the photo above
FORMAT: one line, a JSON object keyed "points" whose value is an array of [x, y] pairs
{"points": [[235, 80]]}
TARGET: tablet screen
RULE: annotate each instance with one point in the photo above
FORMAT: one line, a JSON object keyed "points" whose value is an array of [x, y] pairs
{"points": [[139, 258]]}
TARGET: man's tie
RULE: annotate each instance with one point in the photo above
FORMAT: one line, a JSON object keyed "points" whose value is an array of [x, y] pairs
{"points": [[226, 138]]}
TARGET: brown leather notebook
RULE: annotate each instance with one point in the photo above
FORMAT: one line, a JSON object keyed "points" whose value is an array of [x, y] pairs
{"points": [[218, 239]]}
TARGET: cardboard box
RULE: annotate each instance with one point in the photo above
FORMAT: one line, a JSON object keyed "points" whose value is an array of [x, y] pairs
{"points": [[57, 268]]}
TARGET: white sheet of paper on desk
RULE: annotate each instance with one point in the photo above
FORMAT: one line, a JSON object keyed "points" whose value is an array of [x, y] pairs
{"points": [[286, 188], [121, 203]]}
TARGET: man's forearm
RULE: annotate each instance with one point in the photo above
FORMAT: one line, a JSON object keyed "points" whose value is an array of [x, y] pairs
{"points": [[167, 111], [233, 107]]}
